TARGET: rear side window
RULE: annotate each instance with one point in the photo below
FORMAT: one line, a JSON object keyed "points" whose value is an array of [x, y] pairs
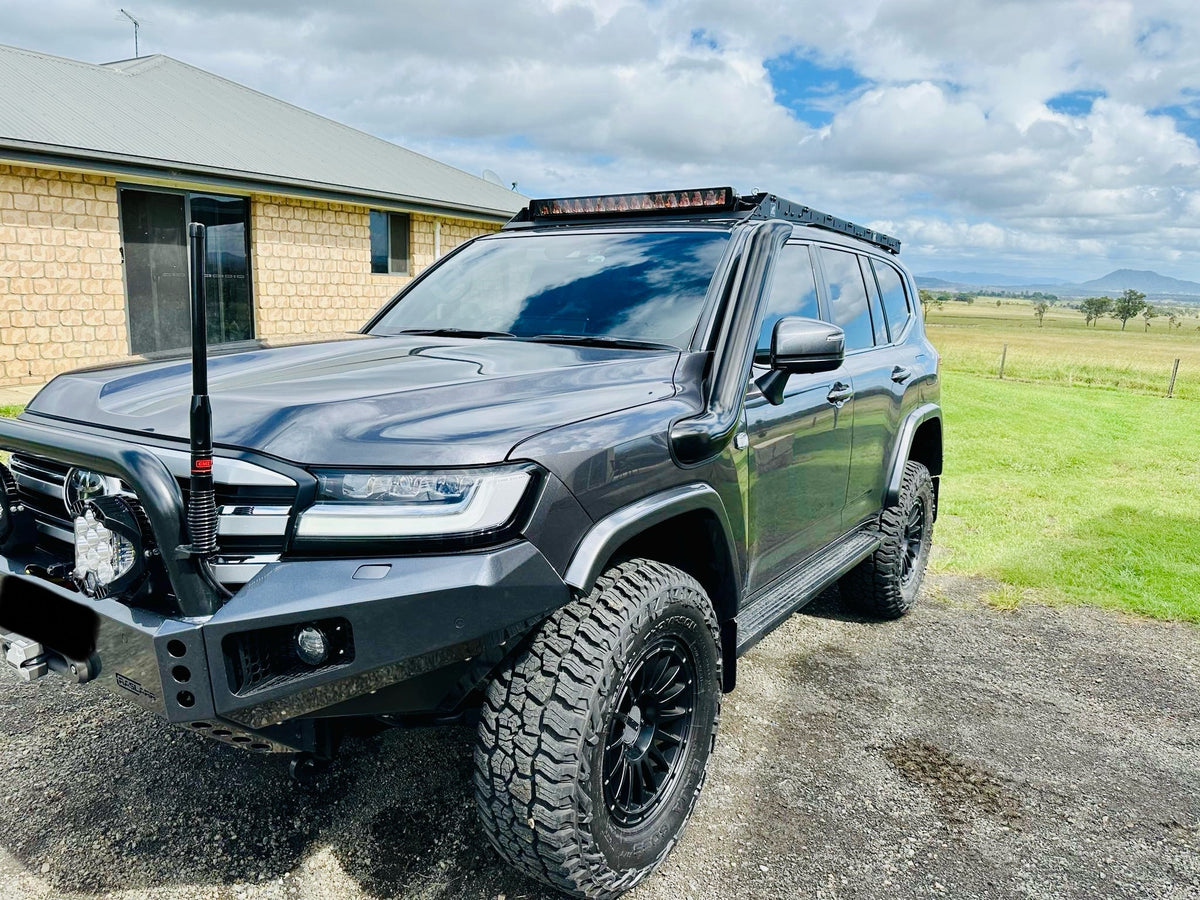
{"points": [[793, 293], [848, 297], [895, 299], [881, 335]]}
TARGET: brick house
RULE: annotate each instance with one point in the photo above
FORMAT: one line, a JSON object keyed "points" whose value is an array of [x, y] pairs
{"points": [[312, 225]]}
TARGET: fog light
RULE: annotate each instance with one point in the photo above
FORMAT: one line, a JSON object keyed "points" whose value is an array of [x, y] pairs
{"points": [[109, 541], [311, 645]]}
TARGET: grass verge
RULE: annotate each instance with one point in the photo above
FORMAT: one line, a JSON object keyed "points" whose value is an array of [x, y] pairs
{"points": [[1076, 495]]}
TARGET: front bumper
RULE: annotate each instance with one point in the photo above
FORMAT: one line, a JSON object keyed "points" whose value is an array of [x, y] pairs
{"points": [[425, 632]]}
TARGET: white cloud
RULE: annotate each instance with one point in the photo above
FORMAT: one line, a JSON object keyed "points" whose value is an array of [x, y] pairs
{"points": [[950, 139]]}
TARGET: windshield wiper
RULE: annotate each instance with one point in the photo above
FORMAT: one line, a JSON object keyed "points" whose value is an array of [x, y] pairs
{"points": [[598, 340], [454, 332]]}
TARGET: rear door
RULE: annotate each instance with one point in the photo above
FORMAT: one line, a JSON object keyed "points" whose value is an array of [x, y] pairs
{"points": [[799, 451]]}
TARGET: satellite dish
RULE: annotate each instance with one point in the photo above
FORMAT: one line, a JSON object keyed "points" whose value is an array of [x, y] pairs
{"points": [[492, 178]]}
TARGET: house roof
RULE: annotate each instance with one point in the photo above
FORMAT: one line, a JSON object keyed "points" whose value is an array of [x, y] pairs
{"points": [[158, 113]]}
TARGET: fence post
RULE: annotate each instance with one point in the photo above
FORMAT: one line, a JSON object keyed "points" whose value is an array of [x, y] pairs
{"points": [[1003, 357], [1174, 372]]}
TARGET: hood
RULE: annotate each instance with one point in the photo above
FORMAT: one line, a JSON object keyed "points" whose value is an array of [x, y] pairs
{"points": [[394, 401]]}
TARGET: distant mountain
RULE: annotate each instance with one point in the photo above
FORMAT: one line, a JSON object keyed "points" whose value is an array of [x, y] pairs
{"points": [[991, 279], [1140, 280], [924, 281]]}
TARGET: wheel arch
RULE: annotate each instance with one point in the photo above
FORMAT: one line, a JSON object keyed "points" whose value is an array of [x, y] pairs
{"points": [[919, 439], [686, 527]]}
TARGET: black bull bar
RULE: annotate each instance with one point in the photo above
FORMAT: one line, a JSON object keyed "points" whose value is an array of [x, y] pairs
{"points": [[156, 489]]}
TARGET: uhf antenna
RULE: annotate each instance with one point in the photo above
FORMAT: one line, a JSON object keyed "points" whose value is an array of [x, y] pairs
{"points": [[136, 25]]}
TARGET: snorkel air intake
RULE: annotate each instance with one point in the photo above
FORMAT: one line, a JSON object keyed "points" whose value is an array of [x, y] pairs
{"points": [[202, 503]]}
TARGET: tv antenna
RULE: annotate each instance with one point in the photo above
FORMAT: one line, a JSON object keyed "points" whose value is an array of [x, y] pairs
{"points": [[136, 26]]}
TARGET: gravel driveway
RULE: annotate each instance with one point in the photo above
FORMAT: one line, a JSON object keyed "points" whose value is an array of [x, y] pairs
{"points": [[962, 752]]}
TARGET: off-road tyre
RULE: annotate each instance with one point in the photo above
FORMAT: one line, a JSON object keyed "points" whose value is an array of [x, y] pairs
{"points": [[885, 585], [541, 752]]}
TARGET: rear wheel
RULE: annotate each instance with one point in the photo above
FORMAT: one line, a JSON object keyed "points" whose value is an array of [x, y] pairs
{"points": [[593, 744], [886, 584]]}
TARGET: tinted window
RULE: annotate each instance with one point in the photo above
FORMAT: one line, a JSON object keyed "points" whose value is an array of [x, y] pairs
{"points": [[645, 286], [847, 297], [877, 322], [793, 293], [895, 301], [389, 243]]}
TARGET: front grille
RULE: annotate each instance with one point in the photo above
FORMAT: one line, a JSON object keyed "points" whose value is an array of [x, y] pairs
{"points": [[253, 511]]}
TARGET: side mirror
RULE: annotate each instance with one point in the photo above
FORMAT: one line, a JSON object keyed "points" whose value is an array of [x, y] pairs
{"points": [[800, 346], [804, 346]]}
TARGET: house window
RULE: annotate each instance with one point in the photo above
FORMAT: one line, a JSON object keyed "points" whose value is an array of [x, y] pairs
{"points": [[389, 243], [154, 247]]}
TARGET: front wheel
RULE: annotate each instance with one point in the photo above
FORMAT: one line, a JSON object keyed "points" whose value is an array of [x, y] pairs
{"points": [[593, 744], [886, 584]]}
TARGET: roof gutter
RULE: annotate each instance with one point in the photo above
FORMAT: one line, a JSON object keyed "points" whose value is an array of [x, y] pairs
{"points": [[122, 166]]}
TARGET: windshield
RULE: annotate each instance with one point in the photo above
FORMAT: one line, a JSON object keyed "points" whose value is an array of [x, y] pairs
{"points": [[633, 286]]}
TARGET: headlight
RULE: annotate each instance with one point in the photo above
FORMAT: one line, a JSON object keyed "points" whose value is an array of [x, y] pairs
{"points": [[406, 505]]}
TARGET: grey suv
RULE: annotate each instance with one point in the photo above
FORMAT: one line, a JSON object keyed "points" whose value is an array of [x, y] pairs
{"points": [[556, 488]]}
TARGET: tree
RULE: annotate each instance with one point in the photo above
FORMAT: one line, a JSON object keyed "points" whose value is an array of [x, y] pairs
{"points": [[1095, 307], [1173, 320], [1148, 313], [926, 299], [1039, 310], [1128, 305]]}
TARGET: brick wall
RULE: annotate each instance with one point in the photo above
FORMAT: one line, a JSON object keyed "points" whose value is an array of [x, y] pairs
{"points": [[62, 297], [62, 291], [312, 264]]}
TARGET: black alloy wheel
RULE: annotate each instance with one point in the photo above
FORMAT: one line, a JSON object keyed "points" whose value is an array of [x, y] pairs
{"points": [[911, 541], [650, 731]]}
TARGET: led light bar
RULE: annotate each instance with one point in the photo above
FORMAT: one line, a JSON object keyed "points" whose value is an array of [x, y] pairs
{"points": [[693, 200]]}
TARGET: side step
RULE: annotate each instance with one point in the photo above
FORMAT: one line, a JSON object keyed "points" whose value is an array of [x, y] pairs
{"points": [[767, 612]]}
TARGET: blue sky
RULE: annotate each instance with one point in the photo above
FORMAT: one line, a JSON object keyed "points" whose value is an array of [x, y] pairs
{"points": [[1038, 138]]}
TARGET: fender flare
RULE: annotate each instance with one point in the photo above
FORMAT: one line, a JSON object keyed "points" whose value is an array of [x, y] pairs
{"points": [[613, 530], [903, 445]]}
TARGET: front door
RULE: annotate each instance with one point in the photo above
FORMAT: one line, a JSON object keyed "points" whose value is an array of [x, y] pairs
{"points": [[799, 453], [154, 242]]}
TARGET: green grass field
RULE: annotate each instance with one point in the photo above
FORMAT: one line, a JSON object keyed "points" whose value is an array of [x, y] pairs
{"points": [[1077, 495], [1063, 351]]}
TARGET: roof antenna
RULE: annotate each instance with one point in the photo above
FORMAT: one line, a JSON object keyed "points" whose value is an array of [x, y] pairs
{"points": [[136, 25]]}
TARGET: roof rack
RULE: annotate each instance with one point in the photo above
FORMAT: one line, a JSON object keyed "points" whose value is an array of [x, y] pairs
{"points": [[703, 203], [768, 206]]}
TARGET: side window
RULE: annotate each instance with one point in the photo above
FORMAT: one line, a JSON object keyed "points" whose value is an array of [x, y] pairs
{"points": [[895, 300], [848, 297], [793, 293], [877, 322]]}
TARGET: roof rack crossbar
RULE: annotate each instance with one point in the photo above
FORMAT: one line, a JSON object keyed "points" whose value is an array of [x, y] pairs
{"points": [[769, 206]]}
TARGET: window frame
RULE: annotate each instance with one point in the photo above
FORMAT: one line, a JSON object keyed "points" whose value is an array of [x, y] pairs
{"points": [[908, 299], [389, 215], [187, 193]]}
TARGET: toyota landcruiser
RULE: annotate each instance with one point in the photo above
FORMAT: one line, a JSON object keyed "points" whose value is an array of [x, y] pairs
{"points": [[557, 486]]}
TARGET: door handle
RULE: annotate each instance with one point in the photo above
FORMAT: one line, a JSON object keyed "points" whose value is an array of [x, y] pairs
{"points": [[839, 393], [901, 374]]}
